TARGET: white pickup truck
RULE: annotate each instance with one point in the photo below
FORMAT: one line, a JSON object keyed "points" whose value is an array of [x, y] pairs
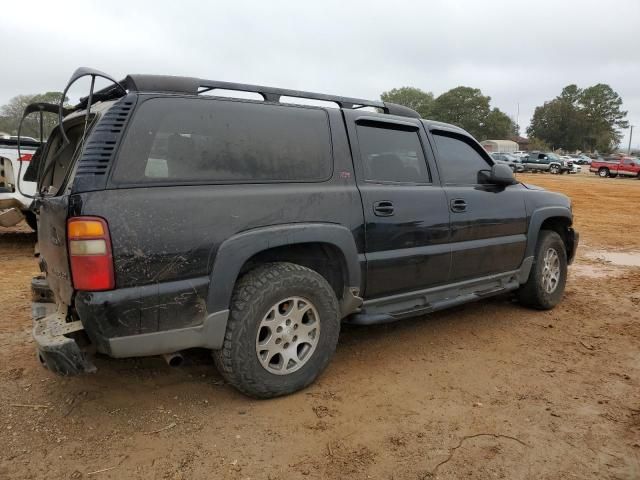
{"points": [[14, 198]]}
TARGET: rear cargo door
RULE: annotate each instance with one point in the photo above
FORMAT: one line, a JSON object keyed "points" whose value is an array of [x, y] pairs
{"points": [[54, 178]]}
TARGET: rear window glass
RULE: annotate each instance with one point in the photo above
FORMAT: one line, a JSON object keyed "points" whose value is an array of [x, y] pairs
{"points": [[202, 140]]}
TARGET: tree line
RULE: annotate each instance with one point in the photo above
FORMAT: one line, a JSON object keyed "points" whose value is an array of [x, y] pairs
{"points": [[465, 107], [589, 119], [11, 114]]}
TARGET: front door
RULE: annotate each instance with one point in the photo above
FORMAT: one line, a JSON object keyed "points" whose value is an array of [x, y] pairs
{"points": [[488, 222], [406, 213]]}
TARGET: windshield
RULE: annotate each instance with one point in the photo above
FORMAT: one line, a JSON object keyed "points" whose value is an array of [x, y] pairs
{"points": [[553, 156]]}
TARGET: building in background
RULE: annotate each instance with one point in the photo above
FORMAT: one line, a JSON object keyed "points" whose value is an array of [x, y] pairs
{"points": [[523, 143], [500, 146]]}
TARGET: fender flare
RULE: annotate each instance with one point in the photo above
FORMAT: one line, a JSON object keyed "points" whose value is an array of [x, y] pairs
{"points": [[537, 219], [236, 250]]}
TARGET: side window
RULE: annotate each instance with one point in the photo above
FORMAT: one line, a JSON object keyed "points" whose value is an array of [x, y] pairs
{"points": [[186, 140], [459, 162], [391, 155]]}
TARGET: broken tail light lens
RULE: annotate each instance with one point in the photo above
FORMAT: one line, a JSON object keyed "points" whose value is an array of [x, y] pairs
{"points": [[90, 254]]}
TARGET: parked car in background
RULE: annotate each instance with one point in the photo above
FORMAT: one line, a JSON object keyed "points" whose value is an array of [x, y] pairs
{"points": [[614, 166], [14, 198], [510, 160], [546, 162], [569, 161], [520, 153], [581, 159]]}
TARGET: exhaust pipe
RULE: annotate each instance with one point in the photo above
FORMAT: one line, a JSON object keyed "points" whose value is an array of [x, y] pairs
{"points": [[173, 359]]}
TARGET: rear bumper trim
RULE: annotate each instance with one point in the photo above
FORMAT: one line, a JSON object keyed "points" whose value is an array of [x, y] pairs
{"points": [[57, 352], [210, 334]]}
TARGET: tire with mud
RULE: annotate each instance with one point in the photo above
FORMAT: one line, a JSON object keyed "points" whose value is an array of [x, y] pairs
{"points": [[545, 286], [282, 330]]}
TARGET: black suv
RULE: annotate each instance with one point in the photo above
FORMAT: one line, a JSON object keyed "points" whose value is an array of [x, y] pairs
{"points": [[173, 217]]}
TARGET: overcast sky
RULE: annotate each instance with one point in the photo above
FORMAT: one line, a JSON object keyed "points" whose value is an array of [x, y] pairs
{"points": [[514, 51]]}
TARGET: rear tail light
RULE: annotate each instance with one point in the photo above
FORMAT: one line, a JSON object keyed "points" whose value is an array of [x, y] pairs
{"points": [[90, 254], [25, 157]]}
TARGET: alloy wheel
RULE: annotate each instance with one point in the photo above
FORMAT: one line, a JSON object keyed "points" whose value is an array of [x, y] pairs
{"points": [[288, 335], [551, 270]]}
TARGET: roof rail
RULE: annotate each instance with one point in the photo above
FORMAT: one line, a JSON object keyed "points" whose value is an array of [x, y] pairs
{"points": [[196, 86]]}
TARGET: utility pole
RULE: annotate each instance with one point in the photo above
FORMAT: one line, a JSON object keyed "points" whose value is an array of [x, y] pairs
{"points": [[630, 136]]}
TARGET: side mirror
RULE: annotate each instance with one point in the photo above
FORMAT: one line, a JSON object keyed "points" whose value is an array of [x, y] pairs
{"points": [[501, 174]]}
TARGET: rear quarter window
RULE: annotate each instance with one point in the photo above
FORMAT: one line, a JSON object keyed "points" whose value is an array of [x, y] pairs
{"points": [[201, 140]]}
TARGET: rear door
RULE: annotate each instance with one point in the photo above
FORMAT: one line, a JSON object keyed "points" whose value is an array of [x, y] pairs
{"points": [[488, 222], [405, 208], [55, 176]]}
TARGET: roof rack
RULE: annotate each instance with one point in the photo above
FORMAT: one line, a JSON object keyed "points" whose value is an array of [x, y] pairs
{"points": [[196, 86]]}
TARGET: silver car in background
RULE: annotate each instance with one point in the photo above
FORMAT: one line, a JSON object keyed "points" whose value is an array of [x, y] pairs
{"points": [[512, 161]]}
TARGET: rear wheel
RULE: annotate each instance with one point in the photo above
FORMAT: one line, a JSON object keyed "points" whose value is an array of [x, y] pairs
{"points": [[545, 286], [282, 331], [603, 172]]}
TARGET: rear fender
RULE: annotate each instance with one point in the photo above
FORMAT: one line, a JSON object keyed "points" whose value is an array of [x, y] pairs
{"points": [[235, 251]]}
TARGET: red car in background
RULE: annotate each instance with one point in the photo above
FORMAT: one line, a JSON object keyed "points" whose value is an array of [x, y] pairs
{"points": [[612, 167]]}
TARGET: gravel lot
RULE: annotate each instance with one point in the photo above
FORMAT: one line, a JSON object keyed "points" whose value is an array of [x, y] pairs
{"points": [[487, 390]]}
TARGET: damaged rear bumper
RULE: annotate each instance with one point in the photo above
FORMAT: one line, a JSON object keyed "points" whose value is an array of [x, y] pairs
{"points": [[58, 352]]}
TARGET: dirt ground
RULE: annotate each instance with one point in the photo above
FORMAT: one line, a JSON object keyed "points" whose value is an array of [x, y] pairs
{"points": [[487, 390]]}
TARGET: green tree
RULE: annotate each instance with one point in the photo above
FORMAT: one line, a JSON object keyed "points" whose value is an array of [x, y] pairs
{"points": [[586, 119], [602, 107], [537, 144], [465, 107], [411, 97], [498, 125], [11, 114], [559, 123], [571, 94]]}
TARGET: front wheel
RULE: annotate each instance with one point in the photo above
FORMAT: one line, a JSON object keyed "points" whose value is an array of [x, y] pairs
{"points": [[282, 331], [554, 169], [545, 286]]}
